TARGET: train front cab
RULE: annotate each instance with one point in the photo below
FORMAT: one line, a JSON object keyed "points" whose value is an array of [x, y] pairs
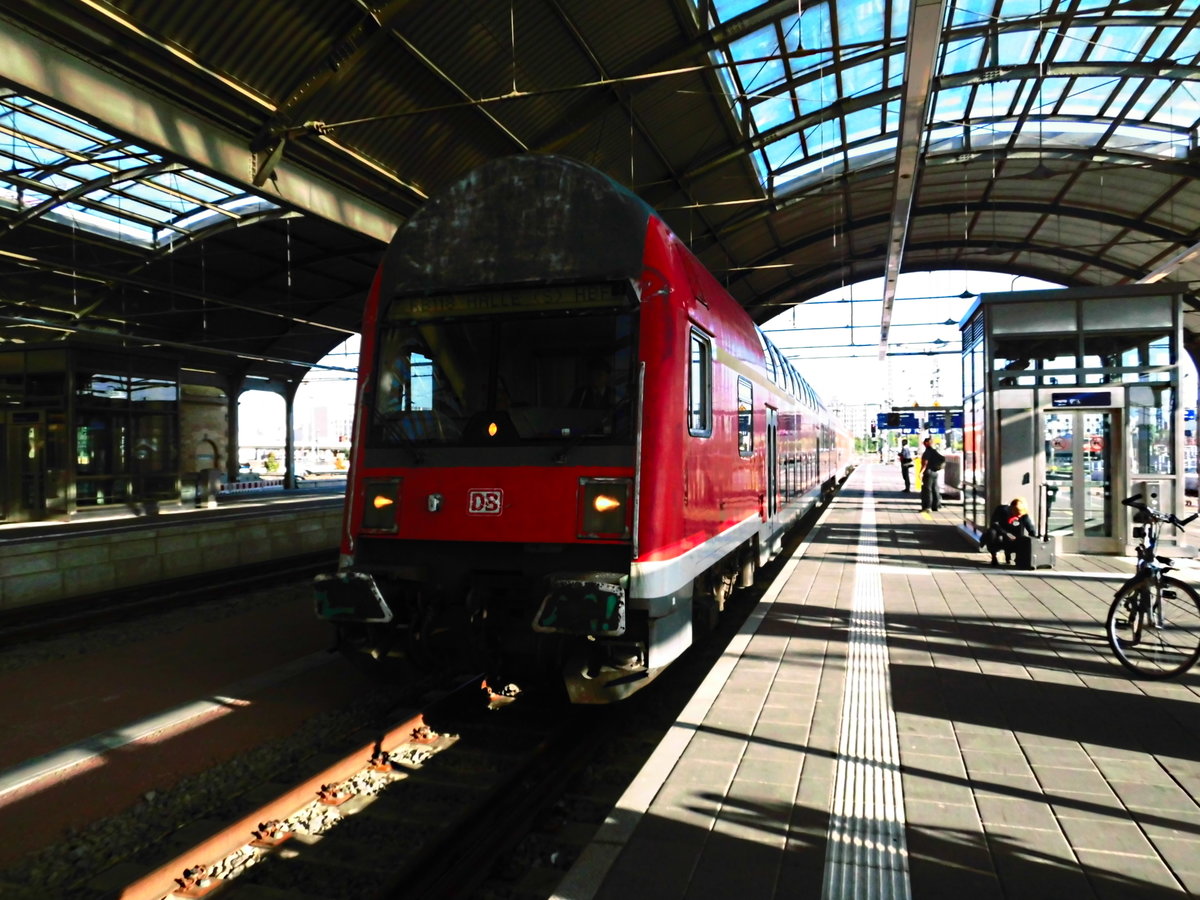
{"points": [[491, 519]]}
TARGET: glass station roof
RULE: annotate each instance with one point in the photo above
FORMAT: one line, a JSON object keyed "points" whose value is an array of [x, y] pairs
{"points": [[66, 170], [820, 94]]}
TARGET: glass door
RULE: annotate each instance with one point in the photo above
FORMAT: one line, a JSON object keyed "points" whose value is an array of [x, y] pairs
{"points": [[1082, 458]]}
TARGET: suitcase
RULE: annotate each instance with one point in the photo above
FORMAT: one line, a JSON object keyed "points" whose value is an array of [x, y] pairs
{"points": [[1034, 553], [1037, 552]]}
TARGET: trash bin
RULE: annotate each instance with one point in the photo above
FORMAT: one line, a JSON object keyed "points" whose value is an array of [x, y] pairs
{"points": [[952, 476]]}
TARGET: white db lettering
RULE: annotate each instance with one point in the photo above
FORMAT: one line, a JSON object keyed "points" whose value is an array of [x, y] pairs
{"points": [[488, 502]]}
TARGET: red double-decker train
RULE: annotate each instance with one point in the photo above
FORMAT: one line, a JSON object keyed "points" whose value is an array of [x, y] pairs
{"points": [[570, 444]]}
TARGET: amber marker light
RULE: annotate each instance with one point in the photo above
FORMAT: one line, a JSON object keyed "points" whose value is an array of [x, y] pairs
{"points": [[603, 508], [381, 501], [492, 429], [604, 503]]}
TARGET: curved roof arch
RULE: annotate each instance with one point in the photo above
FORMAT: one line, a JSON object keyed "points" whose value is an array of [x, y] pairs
{"points": [[792, 146]]}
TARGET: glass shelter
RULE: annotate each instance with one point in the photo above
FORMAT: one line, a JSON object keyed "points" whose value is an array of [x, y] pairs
{"points": [[85, 426], [1071, 400]]}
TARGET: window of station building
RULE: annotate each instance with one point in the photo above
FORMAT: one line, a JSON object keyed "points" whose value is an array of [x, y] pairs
{"points": [[1057, 357], [1134, 351], [1013, 364], [700, 385], [745, 406], [125, 428], [1151, 411]]}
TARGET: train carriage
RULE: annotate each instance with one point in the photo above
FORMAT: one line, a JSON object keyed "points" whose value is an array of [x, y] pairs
{"points": [[570, 441]]}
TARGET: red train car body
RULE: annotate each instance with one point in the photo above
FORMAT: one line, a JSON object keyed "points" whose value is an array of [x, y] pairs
{"points": [[570, 441]]}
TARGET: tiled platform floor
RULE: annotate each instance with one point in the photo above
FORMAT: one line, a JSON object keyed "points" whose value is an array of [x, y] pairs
{"points": [[990, 747]]}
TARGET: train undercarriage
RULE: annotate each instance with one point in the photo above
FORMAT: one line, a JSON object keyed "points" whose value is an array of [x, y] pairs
{"points": [[557, 620]]}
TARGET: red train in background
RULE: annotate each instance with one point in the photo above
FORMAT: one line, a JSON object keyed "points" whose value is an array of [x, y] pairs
{"points": [[570, 443]]}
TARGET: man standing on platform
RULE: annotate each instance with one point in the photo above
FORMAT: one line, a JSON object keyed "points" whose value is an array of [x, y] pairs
{"points": [[931, 468], [906, 463]]}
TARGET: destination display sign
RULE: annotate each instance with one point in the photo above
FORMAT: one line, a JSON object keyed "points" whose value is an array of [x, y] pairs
{"points": [[510, 300], [1081, 398]]}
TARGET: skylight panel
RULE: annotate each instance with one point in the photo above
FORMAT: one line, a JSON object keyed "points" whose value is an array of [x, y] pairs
{"points": [[1119, 44], [32, 156], [730, 9], [899, 19], [814, 172], [62, 129], [1075, 44], [817, 94], [1124, 95], [962, 56], [861, 21], [1088, 96], [1154, 91], [59, 153], [822, 137], [1188, 48], [1048, 93], [971, 12], [89, 220], [873, 150], [1182, 106], [732, 91], [47, 133], [26, 198], [863, 79], [987, 135], [862, 124], [992, 104], [816, 37], [1162, 40], [86, 171], [1014, 48], [770, 114], [150, 192], [762, 45], [950, 104], [194, 184], [123, 206], [783, 151], [1020, 9]]}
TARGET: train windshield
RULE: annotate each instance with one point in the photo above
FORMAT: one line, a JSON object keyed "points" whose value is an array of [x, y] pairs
{"points": [[508, 380]]}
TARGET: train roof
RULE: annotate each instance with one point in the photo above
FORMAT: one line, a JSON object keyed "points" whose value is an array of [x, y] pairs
{"points": [[492, 227]]}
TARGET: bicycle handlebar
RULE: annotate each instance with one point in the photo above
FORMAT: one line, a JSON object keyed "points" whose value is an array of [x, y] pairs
{"points": [[1136, 502]]}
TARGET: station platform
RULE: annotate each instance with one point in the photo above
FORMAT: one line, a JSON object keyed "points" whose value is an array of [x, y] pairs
{"points": [[899, 719], [119, 547]]}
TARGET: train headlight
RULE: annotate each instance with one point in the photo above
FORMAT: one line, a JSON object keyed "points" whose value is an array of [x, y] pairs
{"points": [[605, 508], [380, 505]]}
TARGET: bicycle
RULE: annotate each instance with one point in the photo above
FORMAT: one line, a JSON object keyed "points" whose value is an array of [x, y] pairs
{"points": [[1154, 622]]}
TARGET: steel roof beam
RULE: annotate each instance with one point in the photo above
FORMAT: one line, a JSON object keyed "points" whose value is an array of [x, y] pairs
{"points": [[86, 187], [1165, 269], [920, 60], [42, 68]]}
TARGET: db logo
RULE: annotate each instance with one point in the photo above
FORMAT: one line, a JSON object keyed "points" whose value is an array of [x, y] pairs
{"points": [[487, 502]]}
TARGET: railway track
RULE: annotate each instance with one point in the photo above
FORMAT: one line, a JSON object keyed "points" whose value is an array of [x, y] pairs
{"points": [[418, 810], [487, 803], [456, 800]]}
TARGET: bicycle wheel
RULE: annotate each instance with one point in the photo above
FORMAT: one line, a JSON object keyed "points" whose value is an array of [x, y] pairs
{"points": [[1155, 633]]}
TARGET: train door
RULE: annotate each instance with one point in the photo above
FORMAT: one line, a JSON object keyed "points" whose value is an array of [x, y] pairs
{"points": [[1081, 463], [772, 461]]}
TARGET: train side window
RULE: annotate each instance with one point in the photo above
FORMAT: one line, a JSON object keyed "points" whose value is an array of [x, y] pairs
{"points": [[745, 405], [700, 385]]}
